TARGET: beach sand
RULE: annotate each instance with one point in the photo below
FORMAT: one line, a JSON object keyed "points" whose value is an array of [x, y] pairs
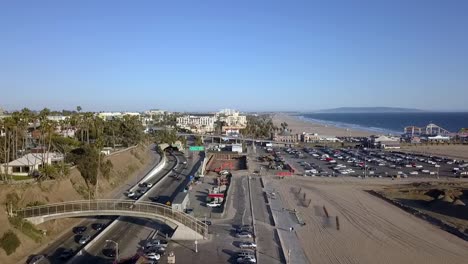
{"points": [[299, 126], [371, 230]]}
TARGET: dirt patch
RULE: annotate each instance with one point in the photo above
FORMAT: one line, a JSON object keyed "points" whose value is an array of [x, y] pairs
{"points": [[222, 161], [126, 165]]}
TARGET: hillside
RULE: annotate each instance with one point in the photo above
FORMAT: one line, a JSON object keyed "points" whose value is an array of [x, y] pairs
{"points": [[126, 166]]}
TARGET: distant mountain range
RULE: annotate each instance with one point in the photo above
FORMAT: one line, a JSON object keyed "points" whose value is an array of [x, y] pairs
{"points": [[370, 110]]}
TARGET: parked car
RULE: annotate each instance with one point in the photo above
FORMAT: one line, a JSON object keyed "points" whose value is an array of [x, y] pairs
{"points": [[207, 222], [156, 242], [244, 235], [247, 228], [414, 173], [245, 253], [213, 204], [248, 245], [247, 259], [153, 256]]}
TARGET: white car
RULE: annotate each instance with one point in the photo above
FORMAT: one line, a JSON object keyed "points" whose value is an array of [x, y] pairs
{"points": [[414, 173], [153, 256], [425, 171], [130, 194], [213, 204], [247, 259], [247, 245], [418, 166]]}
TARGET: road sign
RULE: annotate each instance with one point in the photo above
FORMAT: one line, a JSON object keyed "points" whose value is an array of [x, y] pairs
{"points": [[196, 148]]}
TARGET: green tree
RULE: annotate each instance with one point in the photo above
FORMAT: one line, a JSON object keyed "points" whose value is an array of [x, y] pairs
{"points": [[86, 159], [9, 242]]}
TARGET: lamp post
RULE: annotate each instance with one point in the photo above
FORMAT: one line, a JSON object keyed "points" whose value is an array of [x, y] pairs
{"points": [[116, 249]]}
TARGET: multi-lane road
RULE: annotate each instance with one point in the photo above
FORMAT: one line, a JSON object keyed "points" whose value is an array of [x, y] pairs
{"points": [[131, 233], [126, 228]]}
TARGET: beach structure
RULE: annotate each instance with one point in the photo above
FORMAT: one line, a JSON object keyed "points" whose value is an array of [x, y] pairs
{"points": [[438, 138], [310, 137], [385, 142], [286, 136], [429, 130]]}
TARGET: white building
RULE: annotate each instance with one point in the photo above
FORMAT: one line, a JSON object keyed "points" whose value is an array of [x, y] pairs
{"points": [[197, 124], [155, 112], [30, 162], [109, 115], [57, 118], [114, 115]]}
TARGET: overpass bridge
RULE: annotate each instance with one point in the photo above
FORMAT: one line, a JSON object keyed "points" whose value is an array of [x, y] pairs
{"points": [[203, 136], [186, 226]]}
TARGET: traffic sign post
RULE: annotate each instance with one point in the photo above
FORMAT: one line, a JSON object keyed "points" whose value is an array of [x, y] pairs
{"points": [[196, 148]]}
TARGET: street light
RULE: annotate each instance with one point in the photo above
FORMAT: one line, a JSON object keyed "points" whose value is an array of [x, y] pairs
{"points": [[116, 249]]}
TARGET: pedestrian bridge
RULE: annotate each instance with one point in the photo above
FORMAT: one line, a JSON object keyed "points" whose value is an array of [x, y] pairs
{"points": [[186, 226]]}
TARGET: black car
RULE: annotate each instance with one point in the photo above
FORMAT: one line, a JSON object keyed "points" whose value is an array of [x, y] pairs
{"points": [[136, 196], [207, 222], [109, 252], [66, 254], [79, 229], [154, 199], [97, 226]]}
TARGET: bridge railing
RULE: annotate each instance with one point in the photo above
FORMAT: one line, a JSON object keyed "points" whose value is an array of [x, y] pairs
{"points": [[106, 205]]}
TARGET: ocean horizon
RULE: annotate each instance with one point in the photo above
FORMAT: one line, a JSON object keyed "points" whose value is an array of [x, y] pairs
{"points": [[389, 123]]}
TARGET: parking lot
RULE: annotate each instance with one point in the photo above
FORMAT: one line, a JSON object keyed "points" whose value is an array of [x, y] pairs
{"points": [[327, 162]]}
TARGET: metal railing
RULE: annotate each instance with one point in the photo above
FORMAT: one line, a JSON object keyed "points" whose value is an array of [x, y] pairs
{"points": [[115, 207]]}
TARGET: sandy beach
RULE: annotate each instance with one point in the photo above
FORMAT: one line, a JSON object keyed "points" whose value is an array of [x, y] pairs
{"points": [[299, 126], [371, 230]]}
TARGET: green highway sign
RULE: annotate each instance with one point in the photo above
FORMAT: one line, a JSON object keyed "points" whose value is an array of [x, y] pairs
{"points": [[197, 148]]}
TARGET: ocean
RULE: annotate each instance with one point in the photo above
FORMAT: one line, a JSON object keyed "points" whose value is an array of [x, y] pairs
{"points": [[392, 123]]}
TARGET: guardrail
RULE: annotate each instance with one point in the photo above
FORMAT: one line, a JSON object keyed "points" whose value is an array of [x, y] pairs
{"points": [[114, 207]]}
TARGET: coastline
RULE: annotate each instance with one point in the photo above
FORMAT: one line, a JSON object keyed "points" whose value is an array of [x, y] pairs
{"points": [[299, 125]]}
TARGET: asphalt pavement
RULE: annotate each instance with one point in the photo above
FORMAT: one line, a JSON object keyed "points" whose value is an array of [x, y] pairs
{"points": [[69, 239], [131, 233]]}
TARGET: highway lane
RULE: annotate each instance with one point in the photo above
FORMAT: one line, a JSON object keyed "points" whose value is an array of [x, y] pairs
{"points": [[131, 233], [69, 240]]}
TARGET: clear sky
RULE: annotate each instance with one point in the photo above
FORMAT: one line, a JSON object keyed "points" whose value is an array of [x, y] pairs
{"points": [[249, 55]]}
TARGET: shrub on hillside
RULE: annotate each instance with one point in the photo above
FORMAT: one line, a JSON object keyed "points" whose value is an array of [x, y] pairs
{"points": [[26, 228], [9, 242]]}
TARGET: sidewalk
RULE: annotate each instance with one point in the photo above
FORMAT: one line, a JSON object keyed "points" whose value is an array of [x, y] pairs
{"points": [[284, 220]]}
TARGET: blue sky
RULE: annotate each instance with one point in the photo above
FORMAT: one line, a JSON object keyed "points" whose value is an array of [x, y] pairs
{"points": [[250, 55]]}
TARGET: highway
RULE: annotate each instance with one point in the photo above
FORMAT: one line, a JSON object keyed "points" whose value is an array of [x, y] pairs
{"points": [[131, 233], [69, 240]]}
